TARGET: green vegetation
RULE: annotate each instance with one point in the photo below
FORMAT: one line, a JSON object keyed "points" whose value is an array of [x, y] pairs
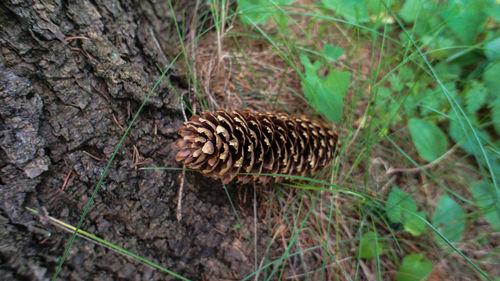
{"points": [[440, 78], [413, 88], [414, 268]]}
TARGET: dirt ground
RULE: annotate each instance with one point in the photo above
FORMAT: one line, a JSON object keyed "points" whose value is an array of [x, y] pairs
{"points": [[72, 75]]}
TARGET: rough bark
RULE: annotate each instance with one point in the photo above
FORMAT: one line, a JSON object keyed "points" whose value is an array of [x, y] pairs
{"points": [[71, 75]]}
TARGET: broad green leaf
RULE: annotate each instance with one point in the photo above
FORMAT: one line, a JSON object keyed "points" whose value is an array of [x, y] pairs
{"points": [[475, 97], [338, 82], [255, 11], [429, 140], [401, 208], [492, 49], [280, 17], [495, 113], [310, 67], [259, 11], [414, 268], [486, 199], [375, 7], [325, 94], [398, 203], [448, 218], [411, 10], [465, 19], [414, 224], [332, 53], [352, 10], [494, 10], [467, 141], [491, 80], [370, 245]]}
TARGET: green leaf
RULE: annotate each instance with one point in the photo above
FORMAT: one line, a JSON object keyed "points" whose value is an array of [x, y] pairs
{"points": [[495, 113], [397, 203], [492, 49], [413, 224], [430, 101], [494, 10], [353, 10], [486, 199], [384, 95], [448, 71], [411, 10], [467, 141], [465, 19], [370, 245], [429, 140], [332, 53], [475, 97], [401, 208], [396, 83], [414, 268], [448, 218], [338, 82], [255, 11], [491, 80], [406, 74], [377, 7], [325, 94], [259, 11]]}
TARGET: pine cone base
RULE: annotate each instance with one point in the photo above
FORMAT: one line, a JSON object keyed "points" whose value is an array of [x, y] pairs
{"points": [[241, 145]]}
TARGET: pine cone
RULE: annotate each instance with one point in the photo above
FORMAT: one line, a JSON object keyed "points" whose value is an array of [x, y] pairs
{"points": [[222, 144]]}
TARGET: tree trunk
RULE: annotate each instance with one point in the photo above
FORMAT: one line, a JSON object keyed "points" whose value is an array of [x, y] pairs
{"points": [[72, 74]]}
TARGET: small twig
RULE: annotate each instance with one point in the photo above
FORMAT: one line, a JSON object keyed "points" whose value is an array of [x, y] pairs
{"points": [[145, 161], [220, 232], [366, 270], [92, 156], [129, 112], [183, 175], [75, 37], [116, 122], [418, 169], [66, 180], [136, 158], [84, 53], [155, 130], [180, 193]]}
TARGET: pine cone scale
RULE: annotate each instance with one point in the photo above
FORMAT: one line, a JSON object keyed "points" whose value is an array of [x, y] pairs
{"points": [[222, 144]]}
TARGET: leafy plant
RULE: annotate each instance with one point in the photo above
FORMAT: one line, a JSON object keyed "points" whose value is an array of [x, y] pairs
{"points": [[259, 11], [462, 40], [325, 94], [414, 268], [370, 245], [430, 141], [359, 11], [484, 194], [401, 208], [448, 218]]}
